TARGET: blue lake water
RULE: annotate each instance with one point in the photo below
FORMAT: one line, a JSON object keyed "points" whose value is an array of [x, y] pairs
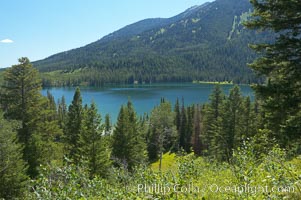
{"points": [[144, 97]]}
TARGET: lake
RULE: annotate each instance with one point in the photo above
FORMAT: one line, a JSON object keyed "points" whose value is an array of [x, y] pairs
{"points": [[144, 97]]}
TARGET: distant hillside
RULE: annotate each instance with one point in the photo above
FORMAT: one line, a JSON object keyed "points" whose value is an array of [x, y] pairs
{"points": [[206, 43]]}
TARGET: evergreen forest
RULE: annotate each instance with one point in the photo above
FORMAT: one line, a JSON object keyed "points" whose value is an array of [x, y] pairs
{"points": [[204, 43]]}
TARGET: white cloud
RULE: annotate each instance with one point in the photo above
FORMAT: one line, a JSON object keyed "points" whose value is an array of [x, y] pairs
{"points": [[6, 41]]}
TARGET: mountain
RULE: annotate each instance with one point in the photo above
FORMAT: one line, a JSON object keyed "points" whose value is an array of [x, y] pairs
{"points": [[147, 24], [206, 43]]}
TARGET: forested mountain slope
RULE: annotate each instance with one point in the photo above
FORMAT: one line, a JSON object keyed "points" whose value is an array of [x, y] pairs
{"points": [[207, 43]]}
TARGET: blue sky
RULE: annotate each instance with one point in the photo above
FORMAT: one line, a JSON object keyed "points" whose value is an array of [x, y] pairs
{"points": [[39, 28]]}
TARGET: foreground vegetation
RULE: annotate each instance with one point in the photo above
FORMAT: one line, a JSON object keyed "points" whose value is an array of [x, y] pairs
{"points": [[228, 148], [217, 150], [190, 178]]}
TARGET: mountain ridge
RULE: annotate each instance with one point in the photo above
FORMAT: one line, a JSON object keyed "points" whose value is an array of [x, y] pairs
{"points": [[155, 22], [206, 42], [134, 27]]}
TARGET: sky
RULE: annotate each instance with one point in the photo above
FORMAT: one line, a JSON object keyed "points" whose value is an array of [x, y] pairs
{"points": [[40, 28]]}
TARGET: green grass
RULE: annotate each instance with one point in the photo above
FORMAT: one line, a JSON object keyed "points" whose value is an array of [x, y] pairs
{"points": [[168, 163]]}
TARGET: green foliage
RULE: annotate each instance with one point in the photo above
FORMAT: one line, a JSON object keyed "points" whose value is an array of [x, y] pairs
{"points": [[169, 163], [21, 100], [128, 141], [212, 123], [177, 115], [108, 124], [67, 182], [13, 178], [271, 171], [231, 124], [189, 49], [162, 131], [254, 162], [93, 145], [46, 137], [21, 88], [228, 120], [74, 126], [194, 178], [229, 128], [280, 64], [183, 130], [62, 112]]}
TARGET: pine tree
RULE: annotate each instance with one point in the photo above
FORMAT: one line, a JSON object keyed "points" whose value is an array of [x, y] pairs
{"points": [[51, 104], [248, 118], [45, 141], [119, 138], [128, 143], [177, 115], [212, 136], [62, 112], [216, 99], [189, 133], [183, 128], [231, 135], [22, 100], [94, 146], [12, 167], [137, 138], [280, 64], [108, 125], [74, 126]]}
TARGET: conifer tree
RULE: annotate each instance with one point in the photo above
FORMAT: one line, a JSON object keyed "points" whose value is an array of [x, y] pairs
{"points": [[212, 122], [137, 138], [45, 141], [22, 100], [51, 103], [280, 64], [189, 133], [12, 167], [120, 137], [177, 114], [94, 146], [183, 128], [248, 118], [108, 125], [216, 99], [128, 141], [62, 112], [74, 126], [231, 134]]}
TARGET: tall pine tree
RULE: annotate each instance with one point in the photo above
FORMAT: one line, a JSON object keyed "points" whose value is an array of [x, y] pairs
{"points": [[22, 100], [212, 122], [12, 167], [183, 134], [128, 141], [74, 127], [231, 126], [94, 146], [62, 112], [280, 64]]}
